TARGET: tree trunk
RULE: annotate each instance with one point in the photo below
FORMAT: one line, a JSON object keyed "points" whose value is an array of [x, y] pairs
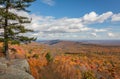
{"points": [[6, 51]]}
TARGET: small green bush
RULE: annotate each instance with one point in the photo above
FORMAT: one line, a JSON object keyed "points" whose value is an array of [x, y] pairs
{"points": [[30, 51], [48, 57], [88, 75], [35, 56]]}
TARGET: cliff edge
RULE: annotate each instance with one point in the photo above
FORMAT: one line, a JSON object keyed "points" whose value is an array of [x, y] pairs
{"points": [[14, 69]]}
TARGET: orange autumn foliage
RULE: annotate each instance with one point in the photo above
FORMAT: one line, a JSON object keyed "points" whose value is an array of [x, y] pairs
{"points": [[93, 62], [36, 65], [17, 52]]}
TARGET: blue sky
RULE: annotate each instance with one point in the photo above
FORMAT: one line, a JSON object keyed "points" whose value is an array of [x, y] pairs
{"points": [[74, 8], [76, 19]]}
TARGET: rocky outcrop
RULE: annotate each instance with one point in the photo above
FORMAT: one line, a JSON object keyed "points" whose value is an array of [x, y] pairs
{"points": [[14, 69], [20, 64]]}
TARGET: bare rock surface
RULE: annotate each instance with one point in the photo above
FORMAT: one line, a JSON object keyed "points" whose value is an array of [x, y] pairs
{"points": [[14, 69]]}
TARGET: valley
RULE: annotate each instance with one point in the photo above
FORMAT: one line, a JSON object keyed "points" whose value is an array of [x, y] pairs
{"points": [[70, 60]]}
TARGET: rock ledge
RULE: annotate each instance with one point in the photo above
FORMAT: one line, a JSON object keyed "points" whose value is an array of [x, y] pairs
{"points": [[14, 69]]}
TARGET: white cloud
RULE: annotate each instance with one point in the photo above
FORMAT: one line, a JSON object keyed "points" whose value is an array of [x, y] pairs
{"points": [[50, 24], [116, 17], [20, 12], [57, 28], [1, 6], [100, 30], [111, 34], [94, 34], [114, 35], [49, 2], [93, 17], [104, 16], [50, 27]]}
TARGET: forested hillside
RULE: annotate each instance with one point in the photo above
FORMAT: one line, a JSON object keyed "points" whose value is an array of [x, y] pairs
{"points": [[69, 60]]}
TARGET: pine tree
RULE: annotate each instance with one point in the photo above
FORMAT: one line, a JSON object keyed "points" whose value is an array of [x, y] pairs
{"points": [[12, 26]]}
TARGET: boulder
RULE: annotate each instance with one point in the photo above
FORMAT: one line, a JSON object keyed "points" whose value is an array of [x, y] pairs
{"points": [[2, 65], [14, 69], [13, 73], [20, 64]]}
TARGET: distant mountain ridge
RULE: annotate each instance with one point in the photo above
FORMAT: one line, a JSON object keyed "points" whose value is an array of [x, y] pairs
{"points": [[52, 42], [103, 42], [98, 42]]}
